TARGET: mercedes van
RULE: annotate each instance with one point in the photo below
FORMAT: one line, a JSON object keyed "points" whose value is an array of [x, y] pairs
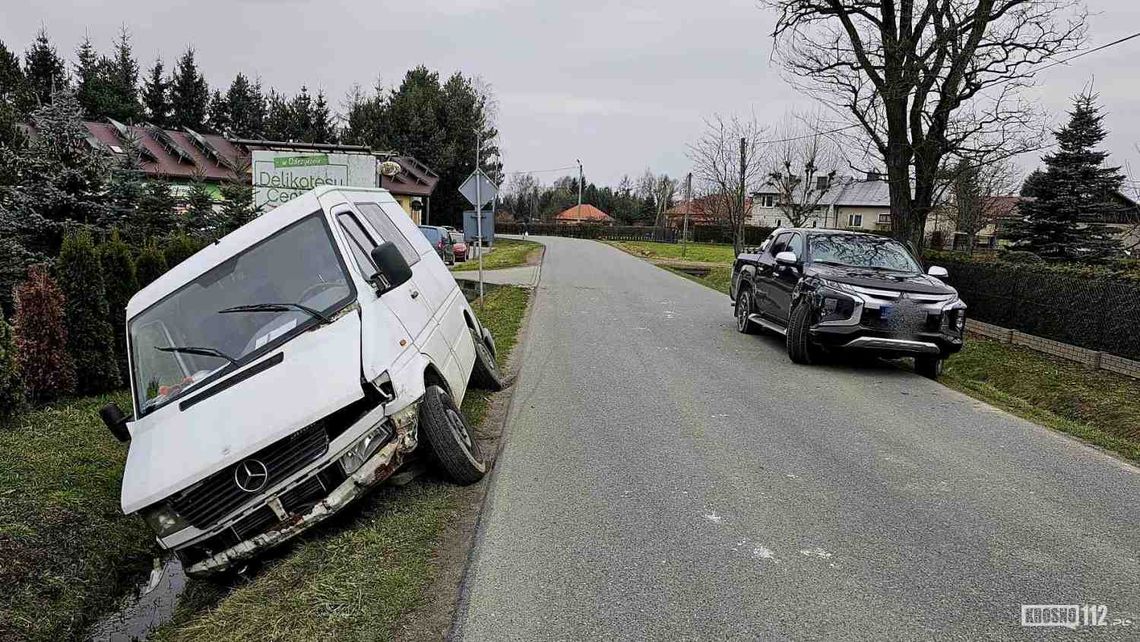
{"points": [[289, 367]]}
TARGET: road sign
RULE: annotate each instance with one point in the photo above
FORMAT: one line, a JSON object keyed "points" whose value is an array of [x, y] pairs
{"points": [[478, 186]]}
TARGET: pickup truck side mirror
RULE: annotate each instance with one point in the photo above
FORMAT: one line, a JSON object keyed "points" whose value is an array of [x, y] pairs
{"points": [[391, 268], [938, 271], [116, 421], [787, 258]]}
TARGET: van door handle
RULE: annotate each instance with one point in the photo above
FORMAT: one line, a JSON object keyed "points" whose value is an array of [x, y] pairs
{"points": [[415, 294]]}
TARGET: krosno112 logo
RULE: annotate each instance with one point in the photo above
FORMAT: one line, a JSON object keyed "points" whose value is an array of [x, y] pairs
{"points": [[1071, 616]]}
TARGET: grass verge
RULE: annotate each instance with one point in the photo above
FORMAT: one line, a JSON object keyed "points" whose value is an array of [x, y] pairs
{"points": [[508, 253], [1100, 407], [717, 278], [354, 578], [66, 549], [697, 252]]}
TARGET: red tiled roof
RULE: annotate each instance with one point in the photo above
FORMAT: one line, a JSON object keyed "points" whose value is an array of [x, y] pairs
{"points": [[701, 212], [588, 213]]}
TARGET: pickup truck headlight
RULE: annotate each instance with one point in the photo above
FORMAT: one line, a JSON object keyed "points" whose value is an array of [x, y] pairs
{"points": [[163, 520]]}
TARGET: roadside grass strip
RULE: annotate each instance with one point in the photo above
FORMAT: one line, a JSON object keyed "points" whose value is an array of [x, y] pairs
{"points": [[508, 253], [697, 252]]}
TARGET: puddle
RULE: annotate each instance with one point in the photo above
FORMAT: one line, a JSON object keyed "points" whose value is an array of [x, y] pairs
{"points": [[151, 606]]}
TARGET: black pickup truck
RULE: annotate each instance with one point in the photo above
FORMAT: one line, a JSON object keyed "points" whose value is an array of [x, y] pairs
{"points": [[828, 290]]}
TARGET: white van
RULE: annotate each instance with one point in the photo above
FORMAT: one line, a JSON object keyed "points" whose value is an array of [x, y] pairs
{"points": [[284, 370]]}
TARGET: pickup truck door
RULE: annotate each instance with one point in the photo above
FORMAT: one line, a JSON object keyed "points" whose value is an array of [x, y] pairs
{"points": [[765, 272], [784, 279]]}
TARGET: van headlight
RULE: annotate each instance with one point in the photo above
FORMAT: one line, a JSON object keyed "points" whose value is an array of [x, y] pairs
{"points": [[163, 520], [364, 448]]}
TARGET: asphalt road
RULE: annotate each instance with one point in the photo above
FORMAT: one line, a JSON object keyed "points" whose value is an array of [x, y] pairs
{"points": [[666, 477]]}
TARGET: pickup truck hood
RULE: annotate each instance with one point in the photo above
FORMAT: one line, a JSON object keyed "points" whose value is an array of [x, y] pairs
{"points": [[173, 448], [898, 281]]}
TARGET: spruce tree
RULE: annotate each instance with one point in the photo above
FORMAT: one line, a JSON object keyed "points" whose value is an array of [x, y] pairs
{"points": [[245, 108], [156, 95], [218, 114], [237, 207], [189, 94], [44, 70], [155, 215], [41, 338], [90, 88], [1074, 196], [121, 284], [122, 73], [150, 264], [198, 218], [322, 129], [12, 393], [301, 116], [90, 338], [13, 97]]}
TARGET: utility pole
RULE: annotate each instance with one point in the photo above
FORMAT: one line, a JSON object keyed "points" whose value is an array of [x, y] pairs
{"points": [[738, 243], [479, 210], [578, 212], [688, 208]]}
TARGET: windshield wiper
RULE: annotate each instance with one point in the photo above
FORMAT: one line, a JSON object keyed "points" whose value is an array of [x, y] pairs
{"points": [[277, 307], [204, 352]]}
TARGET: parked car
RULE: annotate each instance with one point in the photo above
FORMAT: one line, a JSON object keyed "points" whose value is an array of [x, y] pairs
{"points": [[458, 246], [440, 239], [286, 369], [828, 290]]}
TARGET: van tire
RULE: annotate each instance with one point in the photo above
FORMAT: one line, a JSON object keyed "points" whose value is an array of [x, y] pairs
{"points": [[800, 348], [450, 438], [485, 375]]}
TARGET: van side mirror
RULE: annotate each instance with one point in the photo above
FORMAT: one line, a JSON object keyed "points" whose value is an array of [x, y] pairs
{"points": [[391, 268], [116, 421], [938, 271], [787, 258]]}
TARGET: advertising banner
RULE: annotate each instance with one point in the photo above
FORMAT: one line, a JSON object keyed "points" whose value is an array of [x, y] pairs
{"points": [[281, 176]]}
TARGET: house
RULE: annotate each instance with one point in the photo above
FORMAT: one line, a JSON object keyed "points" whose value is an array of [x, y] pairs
{"points": [[583, 214], [702, 211], [847, 203], [184, 157]]}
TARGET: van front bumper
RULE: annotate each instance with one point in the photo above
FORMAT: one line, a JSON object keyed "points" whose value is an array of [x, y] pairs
{"points": [[371, 473]]}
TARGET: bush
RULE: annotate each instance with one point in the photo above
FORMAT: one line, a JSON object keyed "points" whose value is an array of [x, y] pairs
{"points": [[1021, 256], [178, 248], [150, 265], [121, 284], [90, 339], [12, 391], [41, 338]]}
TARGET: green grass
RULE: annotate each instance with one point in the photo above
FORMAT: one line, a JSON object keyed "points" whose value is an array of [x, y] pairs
{"points": [[718, 278], [507, 253], [66, 550], [1098, 406], [357, 577], [701, 252]]}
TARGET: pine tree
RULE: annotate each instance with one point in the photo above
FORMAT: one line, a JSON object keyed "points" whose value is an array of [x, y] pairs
{"points": [[301, 116], [278, 117], [121, 284], [156, 216], [90, 339], [245, 107], [322, 130], [156, 95], [1075, 195], [90, 88], [44, 70], [41, 338], [150, 265], [122, 71], [198, 218], [12, 393], [189, 93], [218, 114], [237, 207]]}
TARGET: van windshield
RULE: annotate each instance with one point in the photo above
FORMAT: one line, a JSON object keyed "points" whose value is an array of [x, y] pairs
{"points": [[282, 286]]}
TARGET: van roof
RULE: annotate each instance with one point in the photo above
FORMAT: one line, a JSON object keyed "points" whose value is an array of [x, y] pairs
{"points": [[234, 243]]}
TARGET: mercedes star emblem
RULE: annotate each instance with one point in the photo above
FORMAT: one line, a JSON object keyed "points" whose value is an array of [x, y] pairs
{"points": [[251, 475]]}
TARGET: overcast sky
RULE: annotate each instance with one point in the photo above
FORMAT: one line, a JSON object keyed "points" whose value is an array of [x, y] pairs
{"points": [[621, 87]]}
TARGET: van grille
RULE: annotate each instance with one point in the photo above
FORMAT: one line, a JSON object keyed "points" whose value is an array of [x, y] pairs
{"points": [[218, 495]]}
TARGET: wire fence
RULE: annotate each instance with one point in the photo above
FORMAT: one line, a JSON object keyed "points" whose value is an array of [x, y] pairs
{"points": [[1093, 311]]}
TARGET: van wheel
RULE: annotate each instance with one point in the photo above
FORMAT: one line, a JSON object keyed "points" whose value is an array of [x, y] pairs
{"points": [[929, 367], [800, 347], [743, 309], [485, 375], [449, 435]]}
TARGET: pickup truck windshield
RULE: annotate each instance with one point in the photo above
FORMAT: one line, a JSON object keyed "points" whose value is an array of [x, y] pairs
{"points": [[866, 252], [220, 320]]}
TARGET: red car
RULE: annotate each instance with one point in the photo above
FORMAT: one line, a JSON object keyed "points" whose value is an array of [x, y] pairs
{"points": [[459, 246]]}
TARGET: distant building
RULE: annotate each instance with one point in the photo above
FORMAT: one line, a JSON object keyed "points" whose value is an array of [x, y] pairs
{"points": [[847, 203], [702, 211], [583, 215], [184, 156]]}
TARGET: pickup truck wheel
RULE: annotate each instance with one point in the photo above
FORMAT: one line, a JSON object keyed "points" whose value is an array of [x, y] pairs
{"points": [[800, 347], [744, 307], [449, 435], [929, 367], [485, 375]]}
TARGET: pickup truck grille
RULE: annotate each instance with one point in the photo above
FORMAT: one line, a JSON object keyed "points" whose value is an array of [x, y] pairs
{"points": [[218, 495]]}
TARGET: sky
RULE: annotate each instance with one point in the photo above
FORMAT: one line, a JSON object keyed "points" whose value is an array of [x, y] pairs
{"points": [[622, 86]]}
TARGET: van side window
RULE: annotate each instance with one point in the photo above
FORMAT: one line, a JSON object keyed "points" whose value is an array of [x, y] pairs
{"points": [[359, 241], [375, 215]]}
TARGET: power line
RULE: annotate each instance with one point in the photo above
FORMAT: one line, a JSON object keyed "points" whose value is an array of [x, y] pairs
{"points": [[541, 171], [1093, 50]]}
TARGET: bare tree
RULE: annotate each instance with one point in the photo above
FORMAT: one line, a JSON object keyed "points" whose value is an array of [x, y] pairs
{"points": [[522, 195], [974, 194], [802, 167], [728, 165], [926, 78]]}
